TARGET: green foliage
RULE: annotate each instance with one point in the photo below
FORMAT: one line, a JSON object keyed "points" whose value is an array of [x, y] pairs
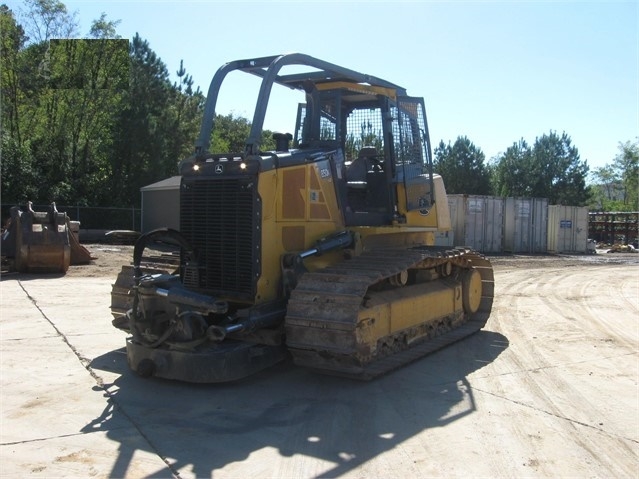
{"points": [[86, 121], [12, 39], [550, 169], [368, 136], [58, 100], [72, 118], [627, 163], [512, 172], [90, 121], [616, 184], [230, 134], [18, 175], [183, 116], [46, 19], [462, 165], [267, 143], [141, 129], [560, 174], [103, 28]]}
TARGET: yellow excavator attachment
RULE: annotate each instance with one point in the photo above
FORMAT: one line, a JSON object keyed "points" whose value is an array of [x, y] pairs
{"points": [[41, 242]]}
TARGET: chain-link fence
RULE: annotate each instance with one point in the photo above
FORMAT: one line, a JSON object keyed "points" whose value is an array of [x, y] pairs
{"points": [[92, 217]]}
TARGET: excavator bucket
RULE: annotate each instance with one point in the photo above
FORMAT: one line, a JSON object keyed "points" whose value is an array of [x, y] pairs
{"points": [[41, 242], [79, 254]]}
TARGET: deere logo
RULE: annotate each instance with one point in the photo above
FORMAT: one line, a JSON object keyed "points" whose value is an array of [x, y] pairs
{"points": [[219, 169]]}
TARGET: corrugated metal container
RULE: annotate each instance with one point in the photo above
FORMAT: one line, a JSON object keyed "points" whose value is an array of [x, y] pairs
{"points": [[567, 229], [457, 208], [484, 223], [445, 238], [525, 225], [477, 222]]}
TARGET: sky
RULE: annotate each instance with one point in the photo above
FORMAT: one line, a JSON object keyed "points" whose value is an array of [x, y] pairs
{"points": [[493, 71]]}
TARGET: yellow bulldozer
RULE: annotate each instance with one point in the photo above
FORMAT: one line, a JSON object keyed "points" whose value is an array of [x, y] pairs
{"points": [[321, 248]]}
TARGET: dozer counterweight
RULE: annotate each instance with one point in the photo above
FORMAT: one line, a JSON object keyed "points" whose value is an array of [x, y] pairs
{"points": [[321, 247]]}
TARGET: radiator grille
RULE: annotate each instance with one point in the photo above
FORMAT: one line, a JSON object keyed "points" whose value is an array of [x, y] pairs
{"points": [[220, 218]]}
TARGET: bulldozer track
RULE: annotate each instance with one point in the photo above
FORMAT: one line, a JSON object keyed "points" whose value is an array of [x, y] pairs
{"points": [[328, 302]]}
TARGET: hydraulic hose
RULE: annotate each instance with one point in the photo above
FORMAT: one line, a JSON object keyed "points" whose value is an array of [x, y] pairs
{"points": [[170, 236], [167, 234]]}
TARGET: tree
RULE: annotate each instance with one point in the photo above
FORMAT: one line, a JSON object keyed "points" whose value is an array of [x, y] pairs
{"points": [[183, 115], [140, 133], [12, 39], [463, 167], [606, 189], [616, 187], [559, 173], [513, 170], [73, 117], [368, 136], [103, 28], [18, 174], [550, 169], [231, 132], [627, 163], [46, 19], [157, 125], [91, 120], [28, 100]]}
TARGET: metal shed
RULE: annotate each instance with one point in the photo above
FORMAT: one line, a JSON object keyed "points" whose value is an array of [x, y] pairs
{"points": [[161, 204]]}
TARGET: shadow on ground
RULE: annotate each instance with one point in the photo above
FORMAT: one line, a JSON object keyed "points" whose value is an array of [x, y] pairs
{"points": [[203, 428]]}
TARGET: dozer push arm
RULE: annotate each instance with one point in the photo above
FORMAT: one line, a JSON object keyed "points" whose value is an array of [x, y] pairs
{"points": [[293, 263], [341, 239]]}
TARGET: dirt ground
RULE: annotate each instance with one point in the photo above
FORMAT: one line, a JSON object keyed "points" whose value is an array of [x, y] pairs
{"points": [[549, 388], [108, 261], [110, 258]]}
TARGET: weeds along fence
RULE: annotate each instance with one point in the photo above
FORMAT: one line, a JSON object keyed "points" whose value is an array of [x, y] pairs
{"points": [[91, 217]]}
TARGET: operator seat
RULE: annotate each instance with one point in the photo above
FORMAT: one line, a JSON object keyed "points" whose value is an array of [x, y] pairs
{"points": [[356, 171]]}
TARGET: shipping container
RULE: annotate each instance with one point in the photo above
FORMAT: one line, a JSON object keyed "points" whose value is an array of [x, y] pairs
{"points": [[445, 238], [567, 229], [477, 222], [525, 225], [457, 208]]}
